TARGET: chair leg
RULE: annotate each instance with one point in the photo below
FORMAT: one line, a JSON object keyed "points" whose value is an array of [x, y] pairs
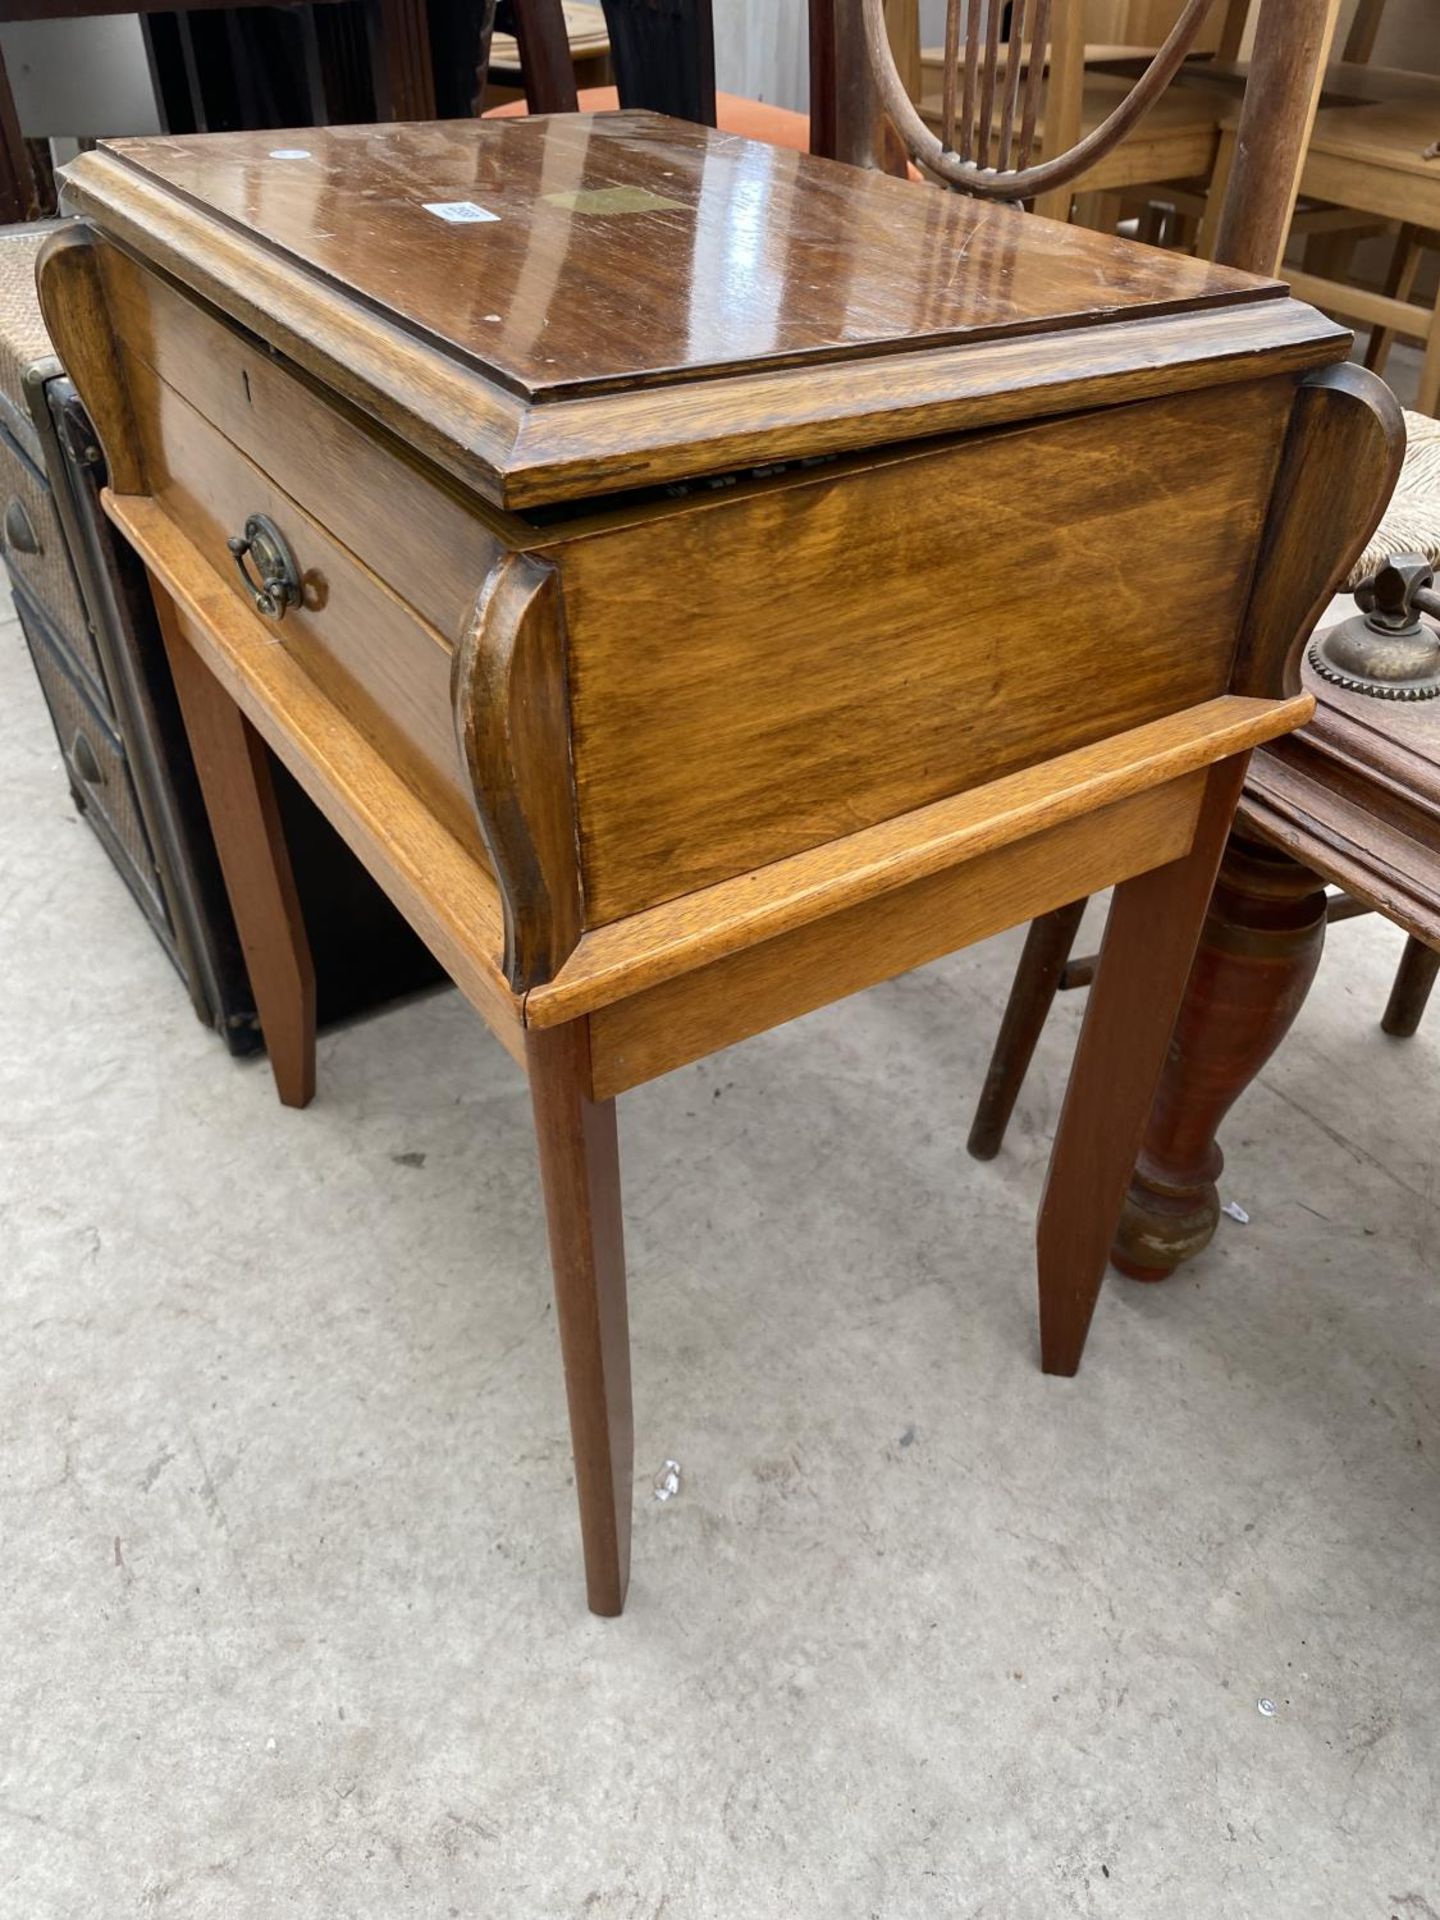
{"points": [[580, 1173], [1036, 982], [1399, 285], [1419, 967], [1427, 396], [17, 177], [233, 767], [1209, 234], [1150, 941]]}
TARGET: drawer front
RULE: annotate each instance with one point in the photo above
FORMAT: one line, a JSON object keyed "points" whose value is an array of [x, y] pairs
{"points": [[383, 665], [95, 760], [759, 676], [412, 529], [39, 560]]}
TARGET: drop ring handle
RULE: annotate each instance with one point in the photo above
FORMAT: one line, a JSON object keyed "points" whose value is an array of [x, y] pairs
{"points": [[274, 585]]}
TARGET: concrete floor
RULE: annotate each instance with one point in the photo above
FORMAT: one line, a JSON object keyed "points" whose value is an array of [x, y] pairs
{"points": [[290, 1585]]}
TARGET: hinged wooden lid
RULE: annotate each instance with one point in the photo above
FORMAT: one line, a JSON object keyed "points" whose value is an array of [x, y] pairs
{"points": [[570, 305]]}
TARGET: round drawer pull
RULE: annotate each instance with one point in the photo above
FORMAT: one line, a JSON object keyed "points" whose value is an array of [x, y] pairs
{"points": [[82, 758], [277, 586], [20, 534]]}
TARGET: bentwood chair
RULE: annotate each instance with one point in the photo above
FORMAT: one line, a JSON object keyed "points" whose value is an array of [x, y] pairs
{"points": [[1176, 146], [996, 100]]}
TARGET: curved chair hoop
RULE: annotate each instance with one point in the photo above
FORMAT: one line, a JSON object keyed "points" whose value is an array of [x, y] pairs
{"points": [[1021, 183]]}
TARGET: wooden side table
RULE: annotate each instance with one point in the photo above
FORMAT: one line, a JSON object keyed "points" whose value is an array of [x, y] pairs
{"points": [[639, 542], [1352, 801]]}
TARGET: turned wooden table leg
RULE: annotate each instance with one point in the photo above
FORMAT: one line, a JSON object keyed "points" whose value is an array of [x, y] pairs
{"points": [[233, 766], [1257, 957], [580, 1173], [1414, 982], [1150, 940], [1036, 982]]}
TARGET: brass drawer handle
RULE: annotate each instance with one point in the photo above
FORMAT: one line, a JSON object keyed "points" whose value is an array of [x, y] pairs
{"points": [[278, 586]]}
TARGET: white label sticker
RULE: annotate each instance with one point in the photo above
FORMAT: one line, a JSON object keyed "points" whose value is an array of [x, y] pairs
{"points": [[462, 212], [289, 153]]}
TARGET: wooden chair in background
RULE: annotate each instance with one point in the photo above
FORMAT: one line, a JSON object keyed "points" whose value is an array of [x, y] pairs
{"points": [[1070, 39], [662, 58], [1292, 42], [588, 36], [1372, 159], [1366, 171]]}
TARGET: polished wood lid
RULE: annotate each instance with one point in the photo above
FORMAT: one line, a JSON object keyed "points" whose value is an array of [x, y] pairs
{"points": [[578, 252], [573, 259]]}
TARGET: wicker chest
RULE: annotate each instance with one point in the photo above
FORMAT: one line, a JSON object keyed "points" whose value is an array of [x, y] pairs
{"points": [[86, 611]]}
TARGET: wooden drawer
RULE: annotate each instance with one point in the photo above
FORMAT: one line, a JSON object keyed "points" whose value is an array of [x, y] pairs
{"points": [[414, 529], [384, 665], [39, 560]]}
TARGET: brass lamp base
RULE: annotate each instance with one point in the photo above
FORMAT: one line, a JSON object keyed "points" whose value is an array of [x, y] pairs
{"points": [[1386, 650]]}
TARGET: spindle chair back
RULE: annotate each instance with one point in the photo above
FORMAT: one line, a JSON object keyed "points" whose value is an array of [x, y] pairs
{"points": [[1011, 66]]}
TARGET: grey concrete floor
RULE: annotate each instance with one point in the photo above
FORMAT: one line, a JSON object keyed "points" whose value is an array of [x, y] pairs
{"points": [[290, 1592]]}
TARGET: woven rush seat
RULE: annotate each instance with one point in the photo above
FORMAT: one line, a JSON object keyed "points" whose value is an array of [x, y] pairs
{"points": [[1412, 520]]}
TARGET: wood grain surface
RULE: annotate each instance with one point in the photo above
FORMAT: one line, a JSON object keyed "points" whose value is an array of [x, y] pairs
{"points": [[78, 319], [388, 669], [512, 723], [417, 530], [594, 444], [580, 1173], [436, 880], [233, 766], [969, 342], [1150, 940], [628, 250], [1342, 455], [648, 948], [683, 1019], [758, 678]]}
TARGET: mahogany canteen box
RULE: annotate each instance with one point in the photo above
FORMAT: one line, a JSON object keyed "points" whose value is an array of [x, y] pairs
{"points": [[702, 580]]}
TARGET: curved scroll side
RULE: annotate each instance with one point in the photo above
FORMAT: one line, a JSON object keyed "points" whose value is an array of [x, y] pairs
{"points": [[512, 721], [72, 299], [1337, 470], [1023, 183]]}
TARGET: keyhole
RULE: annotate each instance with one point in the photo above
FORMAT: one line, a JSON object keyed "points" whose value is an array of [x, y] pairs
{"points": [[245, 382]]}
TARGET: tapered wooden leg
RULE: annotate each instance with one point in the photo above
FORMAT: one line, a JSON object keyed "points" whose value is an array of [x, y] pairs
{"points": [[234, 772], [1150, 940], [1414, 981], [580, 1173], [1037, 979]]}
